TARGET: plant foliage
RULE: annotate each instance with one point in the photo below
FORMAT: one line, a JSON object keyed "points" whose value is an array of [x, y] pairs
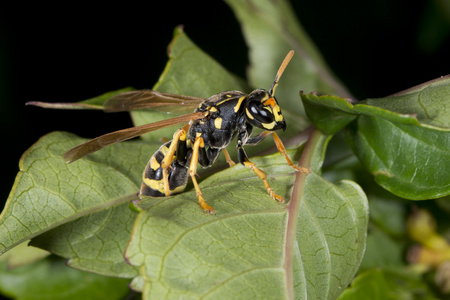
{"points": [[384, 151]]}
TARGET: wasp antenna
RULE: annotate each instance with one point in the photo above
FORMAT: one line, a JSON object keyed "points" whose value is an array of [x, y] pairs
{"points": [[283, 66]]}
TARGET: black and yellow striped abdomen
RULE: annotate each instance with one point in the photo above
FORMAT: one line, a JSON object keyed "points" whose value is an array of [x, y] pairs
{"points": [[152, 179]]}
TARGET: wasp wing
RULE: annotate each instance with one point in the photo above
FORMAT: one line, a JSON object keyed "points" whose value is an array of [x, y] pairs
{"points": [[150, 99], [105, 140]]}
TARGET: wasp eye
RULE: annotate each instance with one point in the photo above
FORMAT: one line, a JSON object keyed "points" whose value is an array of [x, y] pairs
{"points": [[259, 113]]}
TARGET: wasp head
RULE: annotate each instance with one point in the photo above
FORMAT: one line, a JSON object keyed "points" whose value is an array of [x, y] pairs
{"points": [[262, 111]]}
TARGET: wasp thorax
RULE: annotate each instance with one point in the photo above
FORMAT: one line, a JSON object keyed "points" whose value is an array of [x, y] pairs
{"points": [[262, 111]]}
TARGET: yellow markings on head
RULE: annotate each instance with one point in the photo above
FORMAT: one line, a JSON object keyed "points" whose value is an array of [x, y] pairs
{"points": [[268, 126], [249, 115], [277, 113], [276, 110], [218, 123], [268, 109], [238, 105], [212, 109]]}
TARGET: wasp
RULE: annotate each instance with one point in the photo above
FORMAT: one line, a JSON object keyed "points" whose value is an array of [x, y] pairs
{"points": [[215, 122]]}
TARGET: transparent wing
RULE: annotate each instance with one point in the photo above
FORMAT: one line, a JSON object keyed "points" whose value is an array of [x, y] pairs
{"points": [[105, 140], [150, 99]]}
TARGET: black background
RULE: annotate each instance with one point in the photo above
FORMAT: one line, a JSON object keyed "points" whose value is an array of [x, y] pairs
{"points": [[72, 52]]}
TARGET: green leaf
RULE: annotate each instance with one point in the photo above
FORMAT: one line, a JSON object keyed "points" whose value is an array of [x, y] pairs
{"points": [[328, 113], [95, 242], [200, 74], [384, 284], [402, 140], [382, 251], [88, 194], [253, 247], [51, 279], [410, 161], [387, 212], [428, 102], [23, 255], [191, 72], [271, 29]]}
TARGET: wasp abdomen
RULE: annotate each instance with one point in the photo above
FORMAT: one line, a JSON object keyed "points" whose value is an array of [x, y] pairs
{"points": [[152, 179]]}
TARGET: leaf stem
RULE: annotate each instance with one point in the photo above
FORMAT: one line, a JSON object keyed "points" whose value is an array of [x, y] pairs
{"points": [[298, 192]]}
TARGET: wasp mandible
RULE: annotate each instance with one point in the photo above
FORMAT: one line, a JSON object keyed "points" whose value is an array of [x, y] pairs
{"points": [[215, 122]]}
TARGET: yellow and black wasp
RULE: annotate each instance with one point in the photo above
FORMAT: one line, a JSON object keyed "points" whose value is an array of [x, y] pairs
{"points": [[215, 122]]}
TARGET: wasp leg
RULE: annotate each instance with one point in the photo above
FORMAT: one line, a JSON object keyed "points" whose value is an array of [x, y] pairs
{"points": [[193, 171], [182, 150], [228, 158], [282, 150], [206, 158], [260, 173], [166, 163], [257, 139]]}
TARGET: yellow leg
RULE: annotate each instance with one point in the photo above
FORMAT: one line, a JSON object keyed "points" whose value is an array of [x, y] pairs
{"points": [[260, 173], [228, 158], [282, 150], [167, 161], [193, 171]]}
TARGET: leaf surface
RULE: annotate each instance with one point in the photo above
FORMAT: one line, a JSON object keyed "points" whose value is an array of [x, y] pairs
{"points": [[428, 102], [51, 279], [403, 140], [408, 160], [191, 72], [387, 284], [79, 202], [253, 246]]}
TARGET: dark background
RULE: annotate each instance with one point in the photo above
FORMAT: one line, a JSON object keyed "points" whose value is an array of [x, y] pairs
{"points": [[71, 53]]}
